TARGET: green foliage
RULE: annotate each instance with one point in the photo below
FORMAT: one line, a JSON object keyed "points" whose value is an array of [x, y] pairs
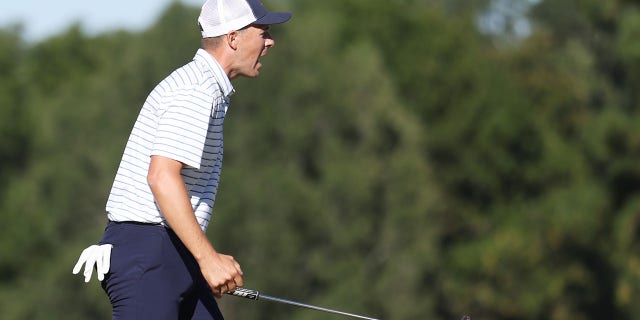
{"points": [[15, 141], [389, 161]]}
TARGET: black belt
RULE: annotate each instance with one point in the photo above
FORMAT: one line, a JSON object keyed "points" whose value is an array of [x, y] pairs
{"points": [[155, 224]]}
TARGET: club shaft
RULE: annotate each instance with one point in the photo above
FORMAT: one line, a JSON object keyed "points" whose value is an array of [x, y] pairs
{"points": [[308, 306], [255, 295]]}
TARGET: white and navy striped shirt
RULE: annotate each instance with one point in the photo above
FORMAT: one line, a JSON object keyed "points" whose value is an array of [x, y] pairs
{"points": [[181, 119]]}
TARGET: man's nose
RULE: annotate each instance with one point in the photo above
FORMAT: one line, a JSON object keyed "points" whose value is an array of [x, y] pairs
{"points": [[269, 42]]}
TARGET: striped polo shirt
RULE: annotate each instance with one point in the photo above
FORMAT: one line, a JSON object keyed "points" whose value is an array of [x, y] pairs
{"points": [[181, 119]]}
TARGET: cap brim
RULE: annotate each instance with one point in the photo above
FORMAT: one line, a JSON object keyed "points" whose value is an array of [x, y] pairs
{"points": [[274, 18]]}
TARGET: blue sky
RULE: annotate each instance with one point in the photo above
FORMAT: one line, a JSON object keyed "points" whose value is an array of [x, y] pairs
{"points": [[43, 18]]}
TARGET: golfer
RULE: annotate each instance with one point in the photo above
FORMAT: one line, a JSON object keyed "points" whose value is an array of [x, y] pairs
{"points": [[154, 259]]}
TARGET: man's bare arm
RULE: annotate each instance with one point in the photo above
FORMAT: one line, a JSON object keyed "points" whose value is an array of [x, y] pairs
{"points": [[221, 271]]}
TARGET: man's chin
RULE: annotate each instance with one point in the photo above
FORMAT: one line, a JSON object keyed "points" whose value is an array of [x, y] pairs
{"points": [[255, 72], [251, 73]]}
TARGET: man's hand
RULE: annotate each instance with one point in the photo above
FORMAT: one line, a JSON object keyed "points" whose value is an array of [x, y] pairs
{"points": [[98, 255], [222, 273]]}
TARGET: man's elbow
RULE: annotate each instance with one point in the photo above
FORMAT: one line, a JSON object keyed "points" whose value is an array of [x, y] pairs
{"points": [[162, 170], [153, 179]]}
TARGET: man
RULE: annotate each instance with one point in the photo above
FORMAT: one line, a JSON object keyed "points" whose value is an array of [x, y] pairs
{"points": [[154, 259]]}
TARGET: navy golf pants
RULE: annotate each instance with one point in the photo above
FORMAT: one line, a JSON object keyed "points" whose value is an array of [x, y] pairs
{"points": [[153, 276]]}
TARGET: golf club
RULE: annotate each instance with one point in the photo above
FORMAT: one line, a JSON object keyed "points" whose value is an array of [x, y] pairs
{"points": [[255, 295]]}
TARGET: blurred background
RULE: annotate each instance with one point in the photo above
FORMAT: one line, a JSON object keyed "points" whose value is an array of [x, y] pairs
{"points": [[405, 159]]}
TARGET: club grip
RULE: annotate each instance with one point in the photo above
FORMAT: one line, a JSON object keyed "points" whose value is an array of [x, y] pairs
{"points": [[246, 293]]}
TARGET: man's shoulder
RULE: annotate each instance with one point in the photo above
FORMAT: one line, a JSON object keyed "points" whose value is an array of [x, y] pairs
{"points": [[190, 76]]}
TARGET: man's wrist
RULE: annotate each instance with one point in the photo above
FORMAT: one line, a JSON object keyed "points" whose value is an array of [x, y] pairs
{"points": [[204, 255]]}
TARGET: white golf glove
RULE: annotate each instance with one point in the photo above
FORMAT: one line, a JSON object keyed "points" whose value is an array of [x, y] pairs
{"points": [[98, 255]]}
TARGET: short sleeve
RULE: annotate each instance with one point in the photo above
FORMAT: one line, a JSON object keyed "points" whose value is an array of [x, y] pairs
{"points": [[183, 126]]}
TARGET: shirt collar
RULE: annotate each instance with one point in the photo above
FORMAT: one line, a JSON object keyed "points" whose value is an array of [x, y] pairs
{"points": [[210, 62]]}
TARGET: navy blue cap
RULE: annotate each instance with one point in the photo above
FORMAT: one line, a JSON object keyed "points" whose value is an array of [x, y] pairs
{"points": [[264, 17]]}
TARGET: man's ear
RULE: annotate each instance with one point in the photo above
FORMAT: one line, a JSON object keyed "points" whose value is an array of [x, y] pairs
{"points": [[232, 39]]}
